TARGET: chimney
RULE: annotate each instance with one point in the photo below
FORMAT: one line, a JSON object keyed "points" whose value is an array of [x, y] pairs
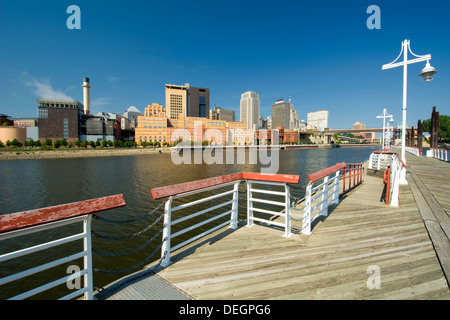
{"points": [[86, 102]]}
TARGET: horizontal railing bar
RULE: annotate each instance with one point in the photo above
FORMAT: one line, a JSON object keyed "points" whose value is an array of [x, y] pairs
{"points": [[42, 227], [268, 192], [40, 247], [75, 294], [269, 212], [282, 204], [48, 286], [195, 226], [30, 218], [202, 212], [40, 268], [320, 203], [268, 222], [200, 235], [268, 183], [193, 203], [182, 195]]}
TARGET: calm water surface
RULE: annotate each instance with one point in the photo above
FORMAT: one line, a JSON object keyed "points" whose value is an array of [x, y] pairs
{"points": [[31, 184]]}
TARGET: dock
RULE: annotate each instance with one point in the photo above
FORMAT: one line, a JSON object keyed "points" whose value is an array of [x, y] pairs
{"points": [[364, 249]]}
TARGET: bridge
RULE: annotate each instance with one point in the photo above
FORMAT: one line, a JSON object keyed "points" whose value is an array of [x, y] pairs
{"points": [[340, 131]]}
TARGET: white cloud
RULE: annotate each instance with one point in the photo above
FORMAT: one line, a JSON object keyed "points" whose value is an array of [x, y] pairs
{"points": [[43, 89]]}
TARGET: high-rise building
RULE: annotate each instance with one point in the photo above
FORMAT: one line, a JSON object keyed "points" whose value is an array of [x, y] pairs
{"points": [[250, 109], [318, 120], [198, 102], [281, 115], [186, 100], [176, 100]]}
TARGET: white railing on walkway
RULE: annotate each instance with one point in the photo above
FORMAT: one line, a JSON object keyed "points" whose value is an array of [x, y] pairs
{"points": [[315, 207], [441, 154], [19, 224], [379, 160], [413, 150], [396, 176], [196, 187]]}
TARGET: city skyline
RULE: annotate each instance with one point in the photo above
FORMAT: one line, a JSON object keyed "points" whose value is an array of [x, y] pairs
{"points": [[323, 56]]}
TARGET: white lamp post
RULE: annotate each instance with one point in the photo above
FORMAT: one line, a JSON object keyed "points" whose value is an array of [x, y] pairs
{"points": [[427, 74], [384, 116]]}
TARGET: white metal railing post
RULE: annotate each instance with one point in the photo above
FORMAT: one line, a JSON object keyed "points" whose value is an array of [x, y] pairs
{"points": [[306, 225], [165, 249], [324, 206], [336, 188], [250, 222], [235, 206], [287, 229], [87, 246]]}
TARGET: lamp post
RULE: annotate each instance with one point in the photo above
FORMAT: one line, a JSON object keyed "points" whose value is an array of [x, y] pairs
{"points": [[384, 116], [427, 74]]}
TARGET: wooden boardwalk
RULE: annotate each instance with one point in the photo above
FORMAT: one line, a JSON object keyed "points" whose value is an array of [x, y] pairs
{"points": [[361, 243], [335, 262]]}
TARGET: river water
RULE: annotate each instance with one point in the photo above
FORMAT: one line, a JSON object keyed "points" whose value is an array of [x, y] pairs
{"points": [[32, 184]]}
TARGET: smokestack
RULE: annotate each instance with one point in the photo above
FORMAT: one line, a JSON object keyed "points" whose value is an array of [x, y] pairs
{"points": [[86, 87]]}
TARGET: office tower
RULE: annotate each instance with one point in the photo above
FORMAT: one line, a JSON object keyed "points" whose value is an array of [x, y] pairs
{"points": [[250, 109], [176, 100], [186, 100], [198, 102], [281, 114]]}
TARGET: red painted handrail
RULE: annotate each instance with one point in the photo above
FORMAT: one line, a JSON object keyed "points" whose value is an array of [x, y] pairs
{"points": [[24, 219], [164, 192], [326, 172]]}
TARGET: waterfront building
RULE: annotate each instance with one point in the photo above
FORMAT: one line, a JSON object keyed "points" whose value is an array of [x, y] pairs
{"points": [[318, 120], [249, 109], [132, 114], [156, 126], [152, 126], [59, 119]]}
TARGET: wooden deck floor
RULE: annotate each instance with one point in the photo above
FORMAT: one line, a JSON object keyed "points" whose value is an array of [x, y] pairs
{"points": [[333, 263]]}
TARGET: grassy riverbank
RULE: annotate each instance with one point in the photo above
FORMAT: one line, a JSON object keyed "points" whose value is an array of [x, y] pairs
{"points": [[28, 154]]}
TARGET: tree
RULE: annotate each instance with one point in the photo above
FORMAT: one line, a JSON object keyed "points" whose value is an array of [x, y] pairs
{"points": [[444, 127], [48, 142], [92, 144], [104, 143], [57, 144]]}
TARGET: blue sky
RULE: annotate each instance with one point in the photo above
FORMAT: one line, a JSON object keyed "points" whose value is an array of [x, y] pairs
{"points": [[318, 53]]}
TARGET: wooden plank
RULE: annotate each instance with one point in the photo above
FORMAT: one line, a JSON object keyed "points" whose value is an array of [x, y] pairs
{"points": [[20, 220]]}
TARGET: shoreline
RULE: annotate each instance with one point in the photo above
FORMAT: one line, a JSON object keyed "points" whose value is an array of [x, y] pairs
{"points": [[34, 154]]}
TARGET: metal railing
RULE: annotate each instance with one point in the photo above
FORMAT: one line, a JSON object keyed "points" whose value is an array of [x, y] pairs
{"points": [[380, 159], [29, 222], [352, 176], [441, 154], [413, 150], [315, 207], [228, 207], [395, 175]]}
